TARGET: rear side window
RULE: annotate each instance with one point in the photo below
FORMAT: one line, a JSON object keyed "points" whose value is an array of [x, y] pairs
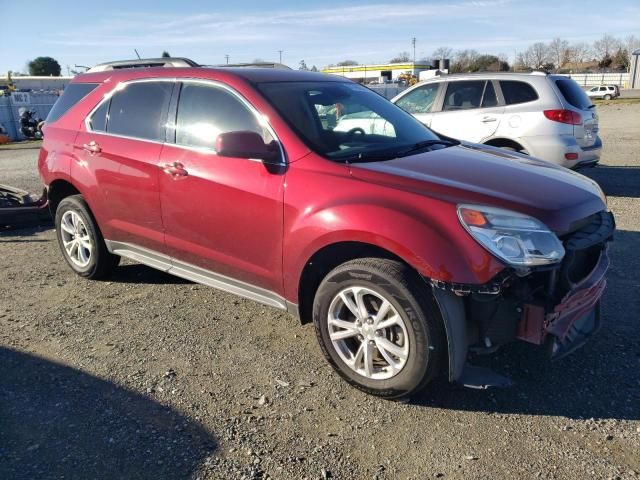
{"points": [[71, 95], [463, 95], [98, 120], [517, 92], [139, 110], [206, 111], [573, 94], [489, 98]]}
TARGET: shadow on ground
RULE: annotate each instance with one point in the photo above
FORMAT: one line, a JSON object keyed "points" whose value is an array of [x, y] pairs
{"points": [[616, 181], [58, 422], [138, 273], [600, 380]]}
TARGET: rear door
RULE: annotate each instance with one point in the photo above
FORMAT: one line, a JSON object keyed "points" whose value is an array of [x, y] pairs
{"points": [[577, 100], [420, 101], [117, 158], [470, 111]]}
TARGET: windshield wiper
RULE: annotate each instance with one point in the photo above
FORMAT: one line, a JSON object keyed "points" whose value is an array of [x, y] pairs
{"points": [[591, 106], [428, 143]]}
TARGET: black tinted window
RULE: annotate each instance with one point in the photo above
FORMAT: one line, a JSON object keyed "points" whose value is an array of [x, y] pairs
{"points": [[573, 94], [419, 100], [489, 98], [140, 110], [98, 120], [71, 95], [517, 92], [463, 95], [205, 111]]}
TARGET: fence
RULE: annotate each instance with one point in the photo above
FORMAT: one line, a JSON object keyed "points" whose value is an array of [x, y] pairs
{"points": [[592, 79], [10, 105]]}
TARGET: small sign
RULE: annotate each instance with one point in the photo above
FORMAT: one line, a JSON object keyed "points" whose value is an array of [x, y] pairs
{"points": [[20, 98]]}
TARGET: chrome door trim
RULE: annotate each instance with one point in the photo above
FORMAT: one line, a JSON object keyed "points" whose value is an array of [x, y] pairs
{"points": [[195, 274], [262, 119]]}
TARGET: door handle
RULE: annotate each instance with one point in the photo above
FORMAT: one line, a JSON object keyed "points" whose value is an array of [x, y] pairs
{"points": [[91, 147], [175, 169], [489, 119]]}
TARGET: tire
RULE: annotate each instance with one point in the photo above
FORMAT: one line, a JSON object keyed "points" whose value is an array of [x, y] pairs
{"points": [[89, 257], [414, 345], [607, 97]]}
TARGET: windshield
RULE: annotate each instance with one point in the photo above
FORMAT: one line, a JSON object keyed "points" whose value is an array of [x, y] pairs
{"points": [[346, 121]]}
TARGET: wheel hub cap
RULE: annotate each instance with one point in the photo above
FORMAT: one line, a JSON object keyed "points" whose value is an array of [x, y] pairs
{"points": [[368, 333], [76, 240]]}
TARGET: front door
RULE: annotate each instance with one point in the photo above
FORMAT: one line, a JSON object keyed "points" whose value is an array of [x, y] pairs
{"points": [[221, 214], [470, 111]]}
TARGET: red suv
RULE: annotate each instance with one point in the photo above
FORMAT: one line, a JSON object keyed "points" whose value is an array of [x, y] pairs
{"points": [[410, 252]]}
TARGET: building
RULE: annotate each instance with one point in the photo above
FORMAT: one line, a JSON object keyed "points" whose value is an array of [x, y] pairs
{"points": [[382, 73]]}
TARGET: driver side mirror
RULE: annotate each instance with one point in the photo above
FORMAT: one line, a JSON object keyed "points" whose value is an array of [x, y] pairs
{"points": [[246, 144]]}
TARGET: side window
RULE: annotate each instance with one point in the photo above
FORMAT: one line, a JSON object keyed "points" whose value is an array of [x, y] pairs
{"points": [[206, 111], [140, 110], [98, 121], [71, 95], [603, 89], [419, 100], [489, 98], [463, 95], [517, 92]]}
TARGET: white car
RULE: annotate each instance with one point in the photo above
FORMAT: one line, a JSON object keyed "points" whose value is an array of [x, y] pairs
{"points": [[606, 92], [545, 116]]}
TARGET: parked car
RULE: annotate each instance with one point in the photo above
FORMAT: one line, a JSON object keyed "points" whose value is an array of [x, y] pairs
{"points": [[606, 92], [545, 116], [408, 251]]}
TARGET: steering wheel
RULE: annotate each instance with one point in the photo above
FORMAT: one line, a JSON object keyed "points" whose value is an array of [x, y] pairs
{"points": [[354, 131]]}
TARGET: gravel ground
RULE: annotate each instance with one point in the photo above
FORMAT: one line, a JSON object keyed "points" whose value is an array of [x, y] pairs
{"points": [[149, 376]]}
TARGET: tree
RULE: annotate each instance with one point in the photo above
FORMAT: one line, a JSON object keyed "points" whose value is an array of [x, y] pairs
{"points": [[462, 60], [166, 54], [559, 52], [44, 66], [401, 58], [488, 63], [605, 47], [314, 68], [621, 59], [303, 65], [441, 53], [579, 53], [346, 63], [538, 55], [258, 60]]}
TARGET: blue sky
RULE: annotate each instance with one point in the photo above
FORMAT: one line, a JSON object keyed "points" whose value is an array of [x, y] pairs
{"points": [[320, 32]]}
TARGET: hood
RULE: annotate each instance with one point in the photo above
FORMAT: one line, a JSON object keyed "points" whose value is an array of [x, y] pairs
{"points": [[490, 176]]}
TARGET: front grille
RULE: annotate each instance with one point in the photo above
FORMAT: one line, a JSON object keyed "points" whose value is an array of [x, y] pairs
{"points": [[583, 248]]}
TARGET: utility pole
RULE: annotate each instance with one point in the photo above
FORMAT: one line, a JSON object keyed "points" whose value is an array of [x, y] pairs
{"points": [[413, 42], [280, 52], [227, 58]]}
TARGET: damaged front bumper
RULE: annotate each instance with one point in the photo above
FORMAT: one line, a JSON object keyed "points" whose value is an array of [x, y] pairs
{"points": [[556, 307], [19, 208]]}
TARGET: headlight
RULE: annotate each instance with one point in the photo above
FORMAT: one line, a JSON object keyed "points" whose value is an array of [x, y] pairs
{"points": [[518, 240]]}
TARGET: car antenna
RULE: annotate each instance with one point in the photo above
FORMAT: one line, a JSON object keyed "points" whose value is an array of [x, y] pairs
{"points": [[139, 58]]}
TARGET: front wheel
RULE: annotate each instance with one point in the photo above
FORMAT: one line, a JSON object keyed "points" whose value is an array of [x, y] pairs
{"points": [[379, 327]]}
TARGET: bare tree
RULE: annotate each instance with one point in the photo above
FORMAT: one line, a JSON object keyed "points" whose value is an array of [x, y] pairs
{"points": [[401, 57], [462, 60], [632, 43], [346, 63], [559, 52], [605, 47], [442, 53], [538, 55], [579, 53]]}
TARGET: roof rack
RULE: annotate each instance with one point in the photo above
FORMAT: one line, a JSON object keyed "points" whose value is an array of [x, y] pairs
{"points": [[166, 62], [253, 65]]}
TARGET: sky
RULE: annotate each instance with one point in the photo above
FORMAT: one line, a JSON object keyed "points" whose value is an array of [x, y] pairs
{"points": [[318, 32]]}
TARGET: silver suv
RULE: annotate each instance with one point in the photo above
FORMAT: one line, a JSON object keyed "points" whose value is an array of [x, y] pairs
{"points": [[546, 116]]}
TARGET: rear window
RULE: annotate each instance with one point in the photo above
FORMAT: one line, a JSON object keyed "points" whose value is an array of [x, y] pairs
{"points": [[517, 92], [71, 95], [573, 94]]}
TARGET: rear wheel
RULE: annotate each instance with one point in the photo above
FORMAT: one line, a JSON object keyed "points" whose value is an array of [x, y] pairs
{"points": [[80, 240], [379, 327], [607, 97]]}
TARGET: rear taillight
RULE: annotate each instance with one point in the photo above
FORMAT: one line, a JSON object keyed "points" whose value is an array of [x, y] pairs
{"points": [[564, 116]]}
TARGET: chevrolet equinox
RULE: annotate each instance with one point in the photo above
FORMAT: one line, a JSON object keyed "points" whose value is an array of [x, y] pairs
{"points": [[410, 252]]}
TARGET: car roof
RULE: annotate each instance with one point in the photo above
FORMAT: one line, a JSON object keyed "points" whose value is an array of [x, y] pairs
{"points": [[252, 75]]}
